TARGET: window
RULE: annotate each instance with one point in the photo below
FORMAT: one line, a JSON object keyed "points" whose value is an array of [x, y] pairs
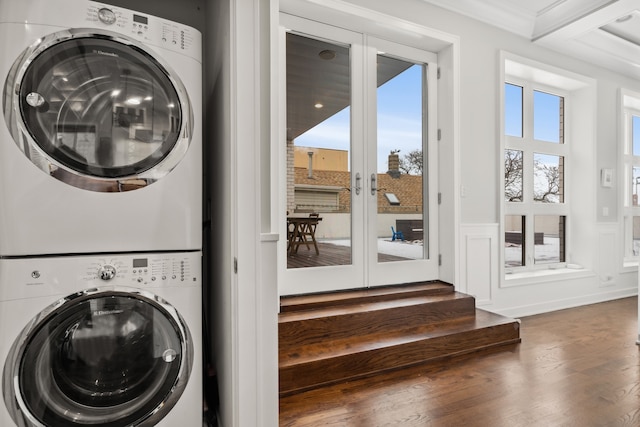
{"points": [[536, 151], [631, 159]]}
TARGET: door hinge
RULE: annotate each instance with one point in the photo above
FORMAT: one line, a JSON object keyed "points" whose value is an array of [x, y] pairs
{"points": [[235, 265], [438, 73], [439, 259], [439, 134], [439, 198]]}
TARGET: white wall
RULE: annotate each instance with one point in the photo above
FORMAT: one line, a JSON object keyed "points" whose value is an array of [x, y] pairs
{"points": [[242, 303], [599, 236], [218, 254]]}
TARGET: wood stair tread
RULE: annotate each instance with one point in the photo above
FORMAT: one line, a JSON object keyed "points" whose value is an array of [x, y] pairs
{"points": [[295, 316], [337, 348], [312, 301]]}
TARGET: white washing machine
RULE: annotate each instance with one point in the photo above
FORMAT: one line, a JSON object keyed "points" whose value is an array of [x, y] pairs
{"points": [[109, 340], [101, 149]]}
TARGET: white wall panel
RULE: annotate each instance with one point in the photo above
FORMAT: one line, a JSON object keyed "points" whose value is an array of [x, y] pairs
{"points": [[479, 261], [608, 254]]}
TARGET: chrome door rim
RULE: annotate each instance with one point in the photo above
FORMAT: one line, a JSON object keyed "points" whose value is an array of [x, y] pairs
{"points": [[12, 393]]}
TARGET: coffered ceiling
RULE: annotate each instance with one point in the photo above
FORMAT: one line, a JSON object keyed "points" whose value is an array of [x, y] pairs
{"points": [[603, 32]]}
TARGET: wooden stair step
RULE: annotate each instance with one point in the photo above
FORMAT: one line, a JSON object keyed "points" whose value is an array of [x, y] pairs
{"points": [[316, 301], [335, 323], [339, 347], [332, 362], [329, 338]]}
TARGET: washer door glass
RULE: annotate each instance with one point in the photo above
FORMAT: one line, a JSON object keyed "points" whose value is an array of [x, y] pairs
{"points": [[111, 359]]}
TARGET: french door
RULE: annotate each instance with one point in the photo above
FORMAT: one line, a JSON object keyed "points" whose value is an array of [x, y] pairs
{"points": [[361, 153]]}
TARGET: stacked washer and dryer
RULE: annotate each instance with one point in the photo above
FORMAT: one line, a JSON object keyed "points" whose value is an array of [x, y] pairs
{"points": [[100, 217]]}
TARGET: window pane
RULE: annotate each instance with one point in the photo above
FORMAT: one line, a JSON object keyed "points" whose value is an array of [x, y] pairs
{"points": [[635, 183], [318, 152], [513, 110], [548, 179], [548, 117], [635, 135], [549, 239], [636, 236], [400, 221], [512, 176], [514, 253]]}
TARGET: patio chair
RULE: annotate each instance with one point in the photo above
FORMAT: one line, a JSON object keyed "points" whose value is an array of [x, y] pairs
{"points": [[307, 234], [396, 235]]}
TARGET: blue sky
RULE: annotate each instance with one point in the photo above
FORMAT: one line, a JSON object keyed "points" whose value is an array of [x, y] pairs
{"points": [[546, 114], [399, 120], [636, 135]]}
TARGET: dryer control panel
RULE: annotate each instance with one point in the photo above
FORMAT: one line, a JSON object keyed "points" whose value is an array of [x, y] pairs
{"points": [[145, 28]]}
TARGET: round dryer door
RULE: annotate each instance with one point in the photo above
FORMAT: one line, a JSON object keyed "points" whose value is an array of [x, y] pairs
{"points": [[97, 110], [101, 357]]}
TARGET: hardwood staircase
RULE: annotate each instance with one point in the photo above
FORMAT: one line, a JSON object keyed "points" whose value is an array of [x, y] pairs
{"points": [[330, 338]]}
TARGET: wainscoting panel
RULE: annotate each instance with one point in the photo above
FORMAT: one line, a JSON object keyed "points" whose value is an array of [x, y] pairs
{"points": [[479, 261], [608, 254]]}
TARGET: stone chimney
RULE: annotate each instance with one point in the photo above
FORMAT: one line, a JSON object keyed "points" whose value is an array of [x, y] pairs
{"points": [[310, 173], [394, 164]]}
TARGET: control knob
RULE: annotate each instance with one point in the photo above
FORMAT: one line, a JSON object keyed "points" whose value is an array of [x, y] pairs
{"points": [[107, 272], [106, 16]]}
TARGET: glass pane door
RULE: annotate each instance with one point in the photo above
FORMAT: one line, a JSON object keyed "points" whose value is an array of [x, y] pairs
{"points": [[359, 148], [324, 160], [400, 130], [402, 208], [318, 152]]}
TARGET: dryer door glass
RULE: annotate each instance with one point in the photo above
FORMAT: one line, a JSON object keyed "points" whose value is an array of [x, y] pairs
{"points": [[100, 107], [112, 359]]}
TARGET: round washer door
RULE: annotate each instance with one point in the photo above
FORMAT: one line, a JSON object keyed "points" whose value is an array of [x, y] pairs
{"points": [[111, 358], [97, 110]]}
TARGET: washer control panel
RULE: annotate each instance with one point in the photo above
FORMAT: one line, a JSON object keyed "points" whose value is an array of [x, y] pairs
{"points": [[143, 27], [39, 277]]}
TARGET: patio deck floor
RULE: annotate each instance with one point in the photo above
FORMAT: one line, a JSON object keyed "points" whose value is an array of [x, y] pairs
{"points": [[330, 254]]}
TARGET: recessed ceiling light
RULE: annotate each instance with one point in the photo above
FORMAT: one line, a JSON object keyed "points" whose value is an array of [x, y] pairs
{"points": [[319, 105], [327, 54]]}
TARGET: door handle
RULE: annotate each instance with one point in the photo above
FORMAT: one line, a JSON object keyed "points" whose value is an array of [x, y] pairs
{"points": [[358, 187], [373, 184]]}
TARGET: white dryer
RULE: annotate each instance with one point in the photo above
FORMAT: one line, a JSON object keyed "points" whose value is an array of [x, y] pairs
{"points": [[109, 340], [101, 150]]}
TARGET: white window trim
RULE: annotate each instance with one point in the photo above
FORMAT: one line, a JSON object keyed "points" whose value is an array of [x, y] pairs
{"points": [[528, 146], [579, 91], [628, 161]]}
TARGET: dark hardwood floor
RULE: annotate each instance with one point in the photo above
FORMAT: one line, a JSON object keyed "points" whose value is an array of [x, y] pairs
{"points": [[575, 367]]}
